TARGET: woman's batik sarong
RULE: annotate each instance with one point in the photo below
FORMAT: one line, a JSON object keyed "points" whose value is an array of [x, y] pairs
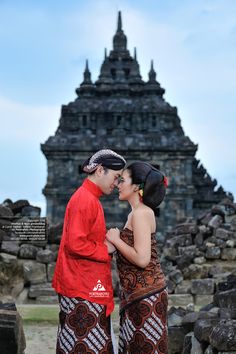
{"points": [[83, 328], [143, 327]]}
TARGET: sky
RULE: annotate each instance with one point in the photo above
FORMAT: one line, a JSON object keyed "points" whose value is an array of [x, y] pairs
{"points": [[44, 45]]}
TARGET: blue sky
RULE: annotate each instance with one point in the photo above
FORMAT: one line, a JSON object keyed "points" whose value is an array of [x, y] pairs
{"points": [[44, 45]]}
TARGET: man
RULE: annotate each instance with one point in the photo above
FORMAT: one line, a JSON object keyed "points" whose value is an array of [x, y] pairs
{"points": [[82, 275]]}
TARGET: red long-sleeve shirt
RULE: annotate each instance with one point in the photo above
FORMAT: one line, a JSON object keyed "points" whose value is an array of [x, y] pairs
{"points": [[83, 267]]}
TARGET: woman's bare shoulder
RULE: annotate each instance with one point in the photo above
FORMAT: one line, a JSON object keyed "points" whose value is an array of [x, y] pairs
{"points": [[143, 210]]}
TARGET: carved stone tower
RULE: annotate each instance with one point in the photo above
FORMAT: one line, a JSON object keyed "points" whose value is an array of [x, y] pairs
{"points": [[122, 112]]}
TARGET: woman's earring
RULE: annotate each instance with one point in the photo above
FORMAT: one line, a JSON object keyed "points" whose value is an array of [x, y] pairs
{"points": [[140, 192]]}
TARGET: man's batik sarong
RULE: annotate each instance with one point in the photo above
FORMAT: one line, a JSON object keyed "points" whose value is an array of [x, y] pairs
{"points": [[83, 328], [143, 326]]}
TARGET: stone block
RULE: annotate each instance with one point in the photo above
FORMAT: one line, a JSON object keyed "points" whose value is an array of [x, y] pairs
{"points": [[213, 252], [186, 228], [19, 205], [175, 316], [231, 243], [176, 339], [228, 283], [195, 271], [34, 272], [226, 299], [203, 300], [8, 258], [198, 240], [45, 256], [184, 287], [199, 260], [17, 288], [5, 212], [31, 211], [222, 233], [189, 320], [176, 276], [10, 247], [28, 251], [11, 273], [12, 339], [180, 300], [223, 336], [225, 313], [202, 286], [188, 250], [229, 254], [41, 290], [54, 248], [215, 221], [203, 328], [191, 345], [204, 219]]}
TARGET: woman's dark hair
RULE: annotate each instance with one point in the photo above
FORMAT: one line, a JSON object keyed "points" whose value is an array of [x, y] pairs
{"points": [[151, 180]]}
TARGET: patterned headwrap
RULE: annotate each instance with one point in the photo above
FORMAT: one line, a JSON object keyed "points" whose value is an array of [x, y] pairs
{"points": [[107, 158]]}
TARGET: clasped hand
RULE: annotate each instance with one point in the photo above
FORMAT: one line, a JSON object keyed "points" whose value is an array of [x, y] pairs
{"points": [[113, 235]]}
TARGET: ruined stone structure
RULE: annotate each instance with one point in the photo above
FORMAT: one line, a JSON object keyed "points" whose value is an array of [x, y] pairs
{"points": [[122, 112]]}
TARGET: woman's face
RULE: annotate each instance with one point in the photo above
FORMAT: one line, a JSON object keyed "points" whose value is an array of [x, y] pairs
{"points": [[125, 186]]}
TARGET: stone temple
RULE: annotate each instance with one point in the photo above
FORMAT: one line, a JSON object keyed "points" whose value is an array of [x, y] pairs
{"points": [[122, 112]]}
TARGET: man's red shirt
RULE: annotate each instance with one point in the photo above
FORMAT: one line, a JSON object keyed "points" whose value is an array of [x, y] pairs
{"points": [[83, 267]]}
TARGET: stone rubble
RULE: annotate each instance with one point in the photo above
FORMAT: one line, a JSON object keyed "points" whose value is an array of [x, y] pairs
{"points": [[198, 258], [26, 265]]}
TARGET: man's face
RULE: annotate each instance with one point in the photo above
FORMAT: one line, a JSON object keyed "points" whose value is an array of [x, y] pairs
{"points": [[108, 180]]}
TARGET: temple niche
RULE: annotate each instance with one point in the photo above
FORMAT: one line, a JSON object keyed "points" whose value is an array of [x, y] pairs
{"points": [[123, 112]]}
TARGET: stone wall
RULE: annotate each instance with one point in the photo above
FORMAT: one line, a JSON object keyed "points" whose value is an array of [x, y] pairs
{"points": [[211, 330], [26, 268], [198, 258], [199, 253]]}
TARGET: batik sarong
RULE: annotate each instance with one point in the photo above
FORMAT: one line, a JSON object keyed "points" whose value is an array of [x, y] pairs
{"points": [[143, 326], [83, 328]]}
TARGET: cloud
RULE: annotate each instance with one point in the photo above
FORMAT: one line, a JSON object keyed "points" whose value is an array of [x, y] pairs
{"points": [[23, 166], [27, 123]]}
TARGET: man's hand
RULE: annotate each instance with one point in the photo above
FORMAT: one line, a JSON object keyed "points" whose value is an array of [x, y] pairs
{"points": [[111, 248], [113, 235]]}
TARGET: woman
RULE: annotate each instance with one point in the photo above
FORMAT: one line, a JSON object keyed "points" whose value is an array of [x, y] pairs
{"points": [[143, 309]]}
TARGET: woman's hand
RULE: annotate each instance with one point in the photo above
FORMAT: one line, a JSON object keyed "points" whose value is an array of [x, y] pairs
{"points": [[113, 235], [110, 247]]}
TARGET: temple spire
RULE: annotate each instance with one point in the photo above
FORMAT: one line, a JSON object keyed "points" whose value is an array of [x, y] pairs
{"points": [[152, 74], [119, 39], [135, 53], [87, 74], [119, 25], [86, 66], [152, 86]]}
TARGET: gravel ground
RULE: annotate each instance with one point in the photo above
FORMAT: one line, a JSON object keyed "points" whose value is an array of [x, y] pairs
{"points": [[40, 338]]}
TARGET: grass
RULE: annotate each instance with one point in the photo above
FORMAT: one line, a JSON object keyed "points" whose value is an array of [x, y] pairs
{"points": [[39, 314]]}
